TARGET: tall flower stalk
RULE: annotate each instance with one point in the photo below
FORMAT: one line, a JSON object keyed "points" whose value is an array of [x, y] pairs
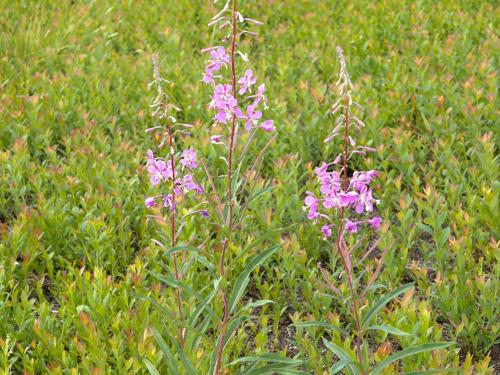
{"points": [[343, 193], [175, 180], [349, 196], [236, 105]]}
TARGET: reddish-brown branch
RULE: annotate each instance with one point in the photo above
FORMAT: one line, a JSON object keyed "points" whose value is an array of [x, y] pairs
{"points": [[225, 320], [340, 243], [233, 121], [172, 226]]}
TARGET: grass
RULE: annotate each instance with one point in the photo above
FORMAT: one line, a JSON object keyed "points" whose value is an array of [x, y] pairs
{"points": [[75, 243]]}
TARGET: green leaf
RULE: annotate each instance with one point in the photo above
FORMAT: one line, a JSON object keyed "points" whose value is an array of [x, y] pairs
{"points": [[343, 356], [151, 368], [181, 248], [389, 329], [274, 368], [410, 352], [243, 279], [317, 323], [260, 193], [169, 357], [232, 327], [267, 357], [258, 303], [380, 304], [177, 284], [339, 366], [433, 371]]}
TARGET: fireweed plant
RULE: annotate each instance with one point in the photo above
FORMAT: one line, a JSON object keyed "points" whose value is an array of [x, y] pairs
{"points": [[171, 173], [344, 208], [236, 105]]}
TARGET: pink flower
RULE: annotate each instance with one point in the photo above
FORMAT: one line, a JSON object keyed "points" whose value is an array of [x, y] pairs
{"points": [[267, 126], [311, 204], [351, 226], [260, 96], [321, 170], [185, 184], [375, 222], [360, 179], [365, 200], [346, 199], [168, 201], [150, 202], [208, 76], [151, 158], [330, 182], [218, 57], [247, 81], [326, 230], [216, 139], [189, 158], [159, 171], [252, 116], [225, 103]]}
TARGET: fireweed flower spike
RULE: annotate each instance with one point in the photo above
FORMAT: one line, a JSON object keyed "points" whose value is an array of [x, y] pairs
{"points": [[349, 199], [236, 104], [165, 173]]}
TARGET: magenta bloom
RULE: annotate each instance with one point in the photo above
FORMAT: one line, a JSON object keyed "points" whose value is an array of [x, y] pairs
{"points": [[375, 222], [260, 95], [326, 230], [216, 139], [168, 202], [150, 202], [267, 126], [185, 184], [189, 158], [159, 171], [208, 76], [330, 182], [218, 57], [247, 81], [365, 200], [252, 116], [311, 204], [360, 179], [351, 226]]}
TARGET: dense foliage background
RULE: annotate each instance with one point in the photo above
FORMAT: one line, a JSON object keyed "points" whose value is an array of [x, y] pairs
{"points": [[74, 239]]}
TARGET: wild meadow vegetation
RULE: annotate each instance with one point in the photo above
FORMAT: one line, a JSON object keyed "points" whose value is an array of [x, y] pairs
{"points": [[111, 263]]}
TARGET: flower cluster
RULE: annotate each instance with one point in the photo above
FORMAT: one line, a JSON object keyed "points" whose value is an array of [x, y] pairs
{"points": [[357, 197], [338, 191], [160, 170], [223, 100], [166, 170]]}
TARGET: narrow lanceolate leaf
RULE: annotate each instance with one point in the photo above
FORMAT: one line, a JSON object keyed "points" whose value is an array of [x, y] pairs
{"points": [[434, 371], [181, 248], [242, 281], [267, 357], [177, 284], [151, 368], [316, 323], [389, 329], [380, 304], [169, 357], [271, 369], [410, 352], [352, 369], [339, 366]]}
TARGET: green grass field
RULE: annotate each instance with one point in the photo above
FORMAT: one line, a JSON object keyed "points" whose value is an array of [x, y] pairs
{"points": [[75, 241]]}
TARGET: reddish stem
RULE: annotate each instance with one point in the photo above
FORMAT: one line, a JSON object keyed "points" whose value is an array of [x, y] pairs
{"points": [[172, 226], [225, 320], [233, 122], [359, 334]]}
